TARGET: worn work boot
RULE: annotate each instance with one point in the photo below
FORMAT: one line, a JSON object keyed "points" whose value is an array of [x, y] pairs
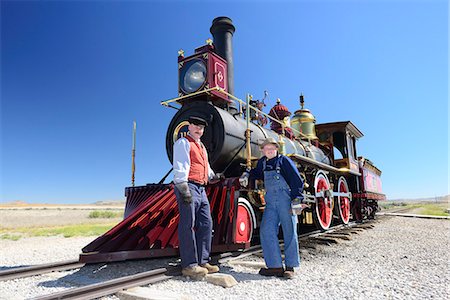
{"points": [[278, 272], [195, 271], [289, 273], [211, 269]]}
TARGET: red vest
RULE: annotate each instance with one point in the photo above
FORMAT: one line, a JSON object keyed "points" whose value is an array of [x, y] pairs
{"points": [[198, 171]]}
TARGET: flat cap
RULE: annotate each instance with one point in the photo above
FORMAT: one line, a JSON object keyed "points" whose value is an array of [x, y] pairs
{"points": [[197, 121]]}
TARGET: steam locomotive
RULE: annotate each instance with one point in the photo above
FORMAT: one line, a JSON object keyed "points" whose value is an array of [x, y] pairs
{"points": [[340, 185]]}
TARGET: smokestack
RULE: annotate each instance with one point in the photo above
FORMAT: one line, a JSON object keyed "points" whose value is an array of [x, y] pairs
{"points": [[222, 29]]}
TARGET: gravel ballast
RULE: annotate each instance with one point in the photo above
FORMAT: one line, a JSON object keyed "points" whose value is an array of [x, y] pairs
{"points": [[400, 258]]}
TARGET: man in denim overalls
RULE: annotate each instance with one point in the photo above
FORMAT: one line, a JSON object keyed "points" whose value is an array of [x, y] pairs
{"points": [[283, 185]]}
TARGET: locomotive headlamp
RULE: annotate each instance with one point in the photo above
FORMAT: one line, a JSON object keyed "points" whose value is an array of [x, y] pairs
{"points": [[193, 75], [205, 71]]}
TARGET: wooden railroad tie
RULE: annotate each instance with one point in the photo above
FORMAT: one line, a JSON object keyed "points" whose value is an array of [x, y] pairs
{"points": [[366, 226], [308, 245], [343, 236], [353, 231], [326, 240]]}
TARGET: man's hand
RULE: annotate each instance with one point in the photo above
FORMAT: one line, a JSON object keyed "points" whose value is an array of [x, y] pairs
{"points": [[216, 178], [243, 180], [183, 188], [298, 206]]}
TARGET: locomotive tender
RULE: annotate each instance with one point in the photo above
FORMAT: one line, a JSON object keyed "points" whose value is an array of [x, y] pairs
{"points": [[339, 185]]}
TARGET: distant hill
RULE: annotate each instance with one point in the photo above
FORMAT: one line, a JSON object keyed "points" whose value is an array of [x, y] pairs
{"points": [[15, 203], [110, 202], [430, 199], [20, 203]]}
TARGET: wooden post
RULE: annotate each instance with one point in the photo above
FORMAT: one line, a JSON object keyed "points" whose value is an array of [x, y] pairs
{"points": [[133, 153]]}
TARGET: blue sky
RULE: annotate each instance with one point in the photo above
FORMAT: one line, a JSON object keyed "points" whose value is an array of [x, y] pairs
{"points": [[75, 74]]}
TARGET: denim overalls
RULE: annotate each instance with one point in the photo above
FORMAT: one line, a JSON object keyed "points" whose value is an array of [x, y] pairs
{"points": [[278, 210]]}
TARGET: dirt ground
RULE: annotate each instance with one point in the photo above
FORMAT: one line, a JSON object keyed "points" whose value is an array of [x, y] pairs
{"points": [[19, 217]]}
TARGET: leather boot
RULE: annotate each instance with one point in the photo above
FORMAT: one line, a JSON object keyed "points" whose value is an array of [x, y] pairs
{"points": [[289, 273], [211, 269], [194, 271], [278, 272]]}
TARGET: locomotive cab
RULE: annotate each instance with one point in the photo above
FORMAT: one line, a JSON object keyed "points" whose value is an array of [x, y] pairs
{"points": [[339, 140]]}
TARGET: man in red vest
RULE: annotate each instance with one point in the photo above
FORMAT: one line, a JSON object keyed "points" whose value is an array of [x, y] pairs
{"points": [[191, 173]]}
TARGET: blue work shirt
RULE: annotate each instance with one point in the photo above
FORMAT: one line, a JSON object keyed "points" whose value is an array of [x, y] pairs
{"points": [[287, 169]]}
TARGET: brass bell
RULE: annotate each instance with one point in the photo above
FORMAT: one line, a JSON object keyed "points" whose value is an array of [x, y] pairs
{"points": [[304, 122]]}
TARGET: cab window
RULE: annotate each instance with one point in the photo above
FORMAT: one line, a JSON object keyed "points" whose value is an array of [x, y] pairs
{"points": [[339, 149]]}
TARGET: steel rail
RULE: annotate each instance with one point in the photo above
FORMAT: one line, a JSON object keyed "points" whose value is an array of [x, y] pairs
{"points": [[20, 272], [396, 214], [109, 287], [393, 210], [238, 255]]}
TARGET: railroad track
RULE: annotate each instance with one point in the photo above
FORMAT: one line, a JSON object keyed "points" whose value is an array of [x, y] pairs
{"points": [[144, 278], [20, 272], [405, 212], [394, 210], [109, 287], [400, 214]]}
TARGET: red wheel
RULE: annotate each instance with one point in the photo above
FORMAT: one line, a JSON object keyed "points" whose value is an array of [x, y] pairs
{"points": [[245, 222], [343, 200], [324, 201]]}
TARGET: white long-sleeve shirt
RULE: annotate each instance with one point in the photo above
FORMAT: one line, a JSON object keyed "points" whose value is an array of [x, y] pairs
{"points": [[182, 160]]}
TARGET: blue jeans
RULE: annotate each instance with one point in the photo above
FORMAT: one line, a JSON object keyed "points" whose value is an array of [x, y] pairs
{"points": [[194, 227]]}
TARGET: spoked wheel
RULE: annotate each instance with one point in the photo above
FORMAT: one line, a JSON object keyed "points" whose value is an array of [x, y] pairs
{"points": [[323, 212], [344, 198], [245, 221]]}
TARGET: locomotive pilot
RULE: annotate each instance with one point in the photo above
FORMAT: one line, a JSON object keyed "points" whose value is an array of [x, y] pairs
{"points": [[284, 187], [191, 173]]}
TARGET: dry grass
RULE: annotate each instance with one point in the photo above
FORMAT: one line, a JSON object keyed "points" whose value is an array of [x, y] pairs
{"points": [[433, 209], [420, 207], [65, 231], [53, 216], [49, 220]]}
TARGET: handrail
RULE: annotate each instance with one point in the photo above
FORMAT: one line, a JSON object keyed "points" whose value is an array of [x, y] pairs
{"points": [[322, 165], [216, 88], [166, 103]]}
